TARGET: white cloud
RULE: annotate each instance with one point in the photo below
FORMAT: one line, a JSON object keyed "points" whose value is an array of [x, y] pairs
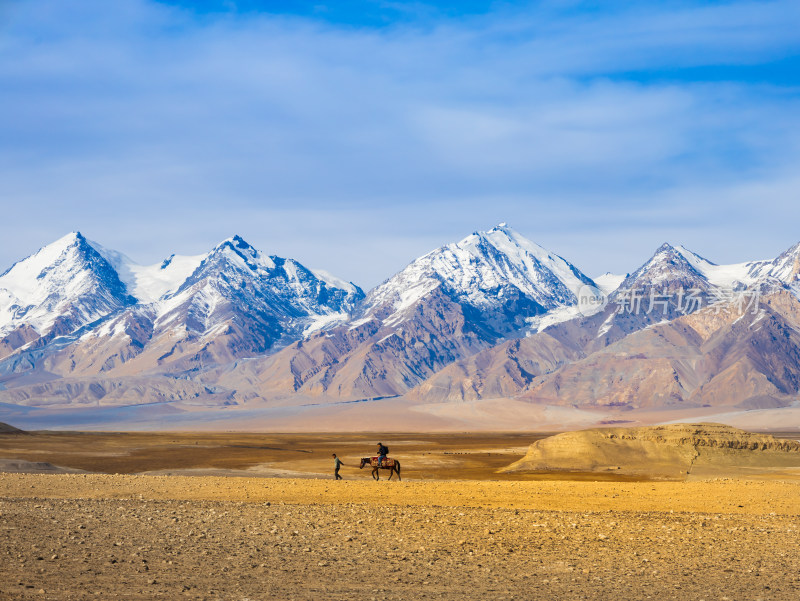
{"points": [[165, 131]]}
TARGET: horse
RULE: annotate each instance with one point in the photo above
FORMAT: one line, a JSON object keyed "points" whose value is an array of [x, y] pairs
{"points": [[393, 465]]}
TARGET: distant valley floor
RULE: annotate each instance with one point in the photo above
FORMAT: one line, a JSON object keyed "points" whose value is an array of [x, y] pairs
{"points": [[423, 456], [315, 414]]}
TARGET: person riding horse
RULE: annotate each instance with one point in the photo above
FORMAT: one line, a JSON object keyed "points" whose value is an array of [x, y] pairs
{"points": [[382, 453], [378, 463]]}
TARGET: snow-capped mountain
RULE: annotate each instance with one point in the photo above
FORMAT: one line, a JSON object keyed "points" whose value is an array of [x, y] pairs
{"points": [[785, 268], [280, 298], [673, 282], [231, 302], [671, 268], [492, 314], [585, 358], [674, 268], [499, 273], [446, 305], [281, 286], [60, 288], [671, 265]]}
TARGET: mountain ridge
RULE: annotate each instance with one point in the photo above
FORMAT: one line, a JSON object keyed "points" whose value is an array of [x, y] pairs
{"points": [[234, 293], [493, 315]]}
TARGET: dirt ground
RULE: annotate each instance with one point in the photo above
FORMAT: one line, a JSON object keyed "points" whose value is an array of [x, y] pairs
{"points": [[452, 529], [173, 537]]}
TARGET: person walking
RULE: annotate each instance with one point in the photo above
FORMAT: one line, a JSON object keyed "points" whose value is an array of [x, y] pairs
{"points": [[337, 463]]}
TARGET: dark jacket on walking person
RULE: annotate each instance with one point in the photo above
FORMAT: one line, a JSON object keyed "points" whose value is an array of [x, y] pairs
{"points": [[337, 463]]}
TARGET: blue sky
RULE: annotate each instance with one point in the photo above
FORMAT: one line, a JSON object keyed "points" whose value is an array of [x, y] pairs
{"points": [[356, 136]]}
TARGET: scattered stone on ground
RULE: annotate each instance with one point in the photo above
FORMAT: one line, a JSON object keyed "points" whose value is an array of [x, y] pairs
{"points": [[71, 537]]}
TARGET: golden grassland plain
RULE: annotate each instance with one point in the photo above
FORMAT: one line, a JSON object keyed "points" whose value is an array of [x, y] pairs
{"points": [[452, 529]]}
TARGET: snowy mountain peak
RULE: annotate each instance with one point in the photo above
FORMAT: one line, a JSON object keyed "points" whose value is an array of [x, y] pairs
{"points": [[238, 243], [235, 254], [276, 296], [485, 270], [66, 284], [500, 227], [680, 266], [529, 255], [668, 266], [65, 241], [44, 258], [785, 267], [679, 254]]}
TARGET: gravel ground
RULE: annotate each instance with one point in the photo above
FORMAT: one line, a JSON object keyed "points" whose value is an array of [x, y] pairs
{"points": [[138, 537]]}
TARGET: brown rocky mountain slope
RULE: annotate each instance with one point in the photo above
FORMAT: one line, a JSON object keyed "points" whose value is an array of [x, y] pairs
{"points": [[719, 356], [366, 359]]}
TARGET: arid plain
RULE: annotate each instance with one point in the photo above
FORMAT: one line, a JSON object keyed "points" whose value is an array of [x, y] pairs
{"points": [[159, 516]]}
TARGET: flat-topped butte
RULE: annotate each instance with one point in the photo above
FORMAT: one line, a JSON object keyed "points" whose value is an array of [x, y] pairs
{"points": [[673, 451]]}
